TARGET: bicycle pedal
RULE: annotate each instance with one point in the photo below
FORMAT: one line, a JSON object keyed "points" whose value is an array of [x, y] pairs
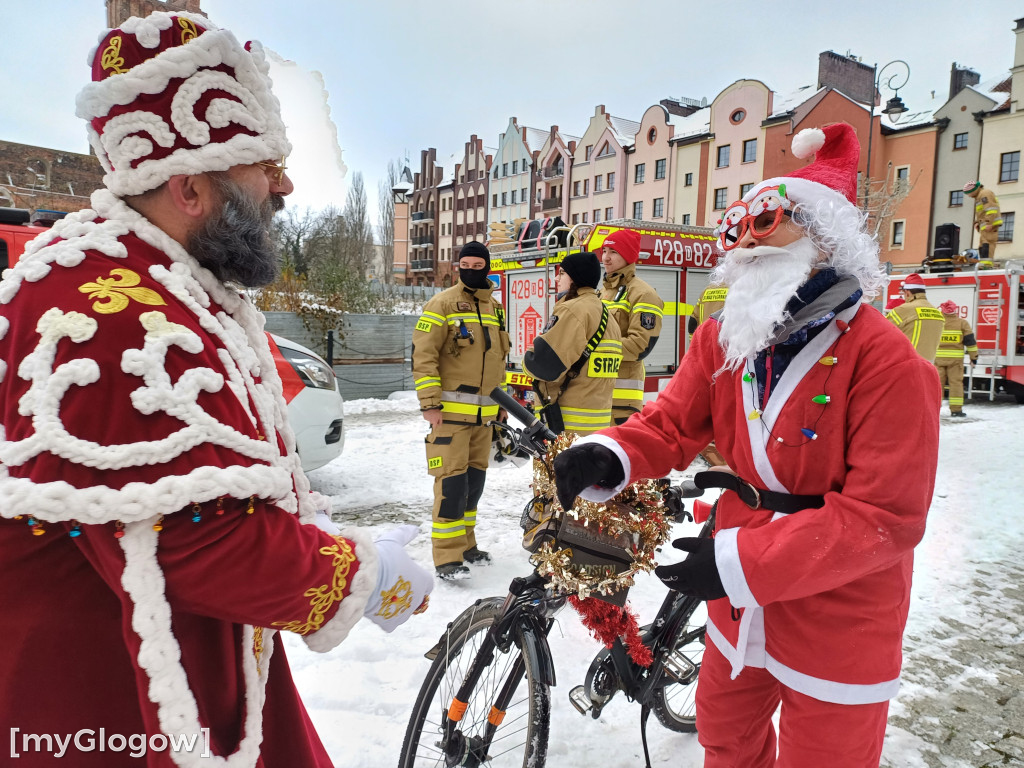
{"points": [[679, 668], [578, 698]]}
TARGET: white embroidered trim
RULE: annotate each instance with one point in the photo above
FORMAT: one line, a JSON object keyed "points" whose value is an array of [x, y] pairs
{"points": [[160, 657], [351, 609]]}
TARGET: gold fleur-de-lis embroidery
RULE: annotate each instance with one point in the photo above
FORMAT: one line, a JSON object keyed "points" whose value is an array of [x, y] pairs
{"points": [[396, 600], [111, 59], [188, 30], [114, 293]]}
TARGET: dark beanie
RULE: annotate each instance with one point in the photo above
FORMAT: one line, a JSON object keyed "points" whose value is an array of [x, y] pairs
{"points": [[583, 269], [476, 248]]}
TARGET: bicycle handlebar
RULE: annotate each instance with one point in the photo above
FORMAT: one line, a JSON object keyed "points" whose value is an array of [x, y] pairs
{"points": [[535, 433]]}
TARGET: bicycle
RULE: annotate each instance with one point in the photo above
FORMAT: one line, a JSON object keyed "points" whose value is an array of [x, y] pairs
{"points": [[470, 710]]}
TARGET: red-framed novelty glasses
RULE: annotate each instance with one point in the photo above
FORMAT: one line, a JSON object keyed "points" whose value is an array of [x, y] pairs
{"points": [[762, 217]]}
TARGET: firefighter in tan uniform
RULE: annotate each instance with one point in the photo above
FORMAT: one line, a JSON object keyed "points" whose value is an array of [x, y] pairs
{"points": [[575, 361], [987, 219], [638, 310], [920, 322], [459, 351], [710, 301], [957, 338]]}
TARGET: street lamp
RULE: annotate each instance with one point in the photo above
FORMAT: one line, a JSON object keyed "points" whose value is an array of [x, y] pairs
{"points": [[893, 107]]}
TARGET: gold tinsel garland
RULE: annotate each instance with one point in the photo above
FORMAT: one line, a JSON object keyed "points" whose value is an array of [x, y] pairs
{"points": [[638, 513]]}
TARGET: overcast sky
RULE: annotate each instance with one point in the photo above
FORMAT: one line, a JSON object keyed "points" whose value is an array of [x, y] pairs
{"points": [[403, 75]]}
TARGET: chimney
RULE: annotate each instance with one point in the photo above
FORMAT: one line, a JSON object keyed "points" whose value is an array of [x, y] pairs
{"points": [[1017, 73], [847, 74], [960, 78]]}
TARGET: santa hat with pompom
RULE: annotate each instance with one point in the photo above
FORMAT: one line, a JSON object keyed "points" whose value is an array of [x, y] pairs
{"points": [[832, 176], [949, 307], [173, 93]]}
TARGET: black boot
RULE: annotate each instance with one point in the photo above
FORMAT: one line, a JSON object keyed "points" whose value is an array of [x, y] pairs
{"points": [[476, 556], [452, 571]]}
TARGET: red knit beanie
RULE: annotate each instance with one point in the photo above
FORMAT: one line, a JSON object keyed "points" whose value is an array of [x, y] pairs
{"points": [[626, 243]]}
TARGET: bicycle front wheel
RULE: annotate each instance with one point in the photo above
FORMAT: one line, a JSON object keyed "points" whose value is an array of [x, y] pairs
{"points": [[507, 713], [675, 704]]}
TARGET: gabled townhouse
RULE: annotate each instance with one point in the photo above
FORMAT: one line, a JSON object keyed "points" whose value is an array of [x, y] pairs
{"points": [[599, 164], [1000, 161], [423, 220], [514, 174], [555, 164], [470, 193], [958, 155], [445, 223], [736, 152], [648, 188], [691, 152], [902, 152]]}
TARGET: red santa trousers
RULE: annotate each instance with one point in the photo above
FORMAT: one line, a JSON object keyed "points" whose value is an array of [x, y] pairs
{"points": [[734, 723]]}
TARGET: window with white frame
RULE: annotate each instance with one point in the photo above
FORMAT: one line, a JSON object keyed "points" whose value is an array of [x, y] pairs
{"points": [[750, 151], [688, 180], [723, 157], [590, 151], [513, 197], [575, 218], [901, 185], [611, 180], [659, 169], [721, 198], [586, 186], [898, 228], [1006, 229], [659, 207], [1009, 166], [504, 198], [609, 213], [638, 173], [638, 210], [598, 183], [515, 167], [956, 198], [597, 215], [575, 189], [686, 219], [744, 188], [584, 218], [959, 141], [522, 195], [504, 169]]}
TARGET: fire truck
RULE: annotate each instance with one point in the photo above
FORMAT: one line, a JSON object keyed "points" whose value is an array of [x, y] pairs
{"points": [[16, 230], [675, 260], [992, 301]]}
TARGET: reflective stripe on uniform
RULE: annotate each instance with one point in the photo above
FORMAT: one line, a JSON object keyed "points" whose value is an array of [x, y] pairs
{"points": [[956, 401], [627, 394], [644, 307], [953, 353], [428, 381], [620, 304], [469, 409], [470, 518], [593, 417], [894, 316], [447, 530], [466, 397]]}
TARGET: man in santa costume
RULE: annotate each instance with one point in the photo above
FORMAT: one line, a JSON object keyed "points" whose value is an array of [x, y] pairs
{"points": [[808, 394], [157, 530]]}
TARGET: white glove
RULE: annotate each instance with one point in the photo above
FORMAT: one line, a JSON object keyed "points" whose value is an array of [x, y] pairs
{"points": [[402, 585]]}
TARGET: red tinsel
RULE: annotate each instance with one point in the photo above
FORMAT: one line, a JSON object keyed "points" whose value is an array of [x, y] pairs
{"points": [[606, 622]]}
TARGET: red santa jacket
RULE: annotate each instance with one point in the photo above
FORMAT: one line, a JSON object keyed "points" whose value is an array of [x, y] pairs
{"points": [[154, 520], [824, 592]]}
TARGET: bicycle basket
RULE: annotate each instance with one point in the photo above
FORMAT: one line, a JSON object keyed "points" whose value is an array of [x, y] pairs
{"points": [[598, 556]]}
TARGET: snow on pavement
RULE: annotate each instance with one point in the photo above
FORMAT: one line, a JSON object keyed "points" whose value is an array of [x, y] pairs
{"points": [[962, 684]]}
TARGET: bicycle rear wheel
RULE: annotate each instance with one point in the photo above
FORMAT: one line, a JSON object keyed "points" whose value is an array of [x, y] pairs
{"points": [[521, 734], [675, 704]]}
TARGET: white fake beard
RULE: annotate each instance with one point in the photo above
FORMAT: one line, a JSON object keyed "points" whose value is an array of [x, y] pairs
{"points": [[761, 281]]}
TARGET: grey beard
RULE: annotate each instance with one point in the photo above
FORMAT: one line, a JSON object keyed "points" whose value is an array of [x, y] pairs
{"points": [[234, 243]]}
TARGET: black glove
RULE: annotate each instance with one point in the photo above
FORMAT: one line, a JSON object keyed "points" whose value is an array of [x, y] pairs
{"points": [[582, 466], [697, 575]]}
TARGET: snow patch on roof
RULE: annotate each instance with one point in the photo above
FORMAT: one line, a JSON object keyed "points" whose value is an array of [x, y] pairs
{"points": [[995, 88], [624, 130], [535, 139], [691, 125]]}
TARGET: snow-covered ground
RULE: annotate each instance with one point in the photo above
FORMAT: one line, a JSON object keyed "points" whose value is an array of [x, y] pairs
{"points": [[360, 694]]}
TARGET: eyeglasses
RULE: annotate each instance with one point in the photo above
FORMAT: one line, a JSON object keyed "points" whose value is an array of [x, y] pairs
{"points": [[276, 170], [761, 217]]}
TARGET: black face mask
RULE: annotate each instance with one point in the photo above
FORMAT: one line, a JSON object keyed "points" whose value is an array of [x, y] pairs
{"points": [[475, 278]]}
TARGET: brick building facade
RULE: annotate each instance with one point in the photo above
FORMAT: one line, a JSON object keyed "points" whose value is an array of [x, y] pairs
{"points": [[38, 178]]}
